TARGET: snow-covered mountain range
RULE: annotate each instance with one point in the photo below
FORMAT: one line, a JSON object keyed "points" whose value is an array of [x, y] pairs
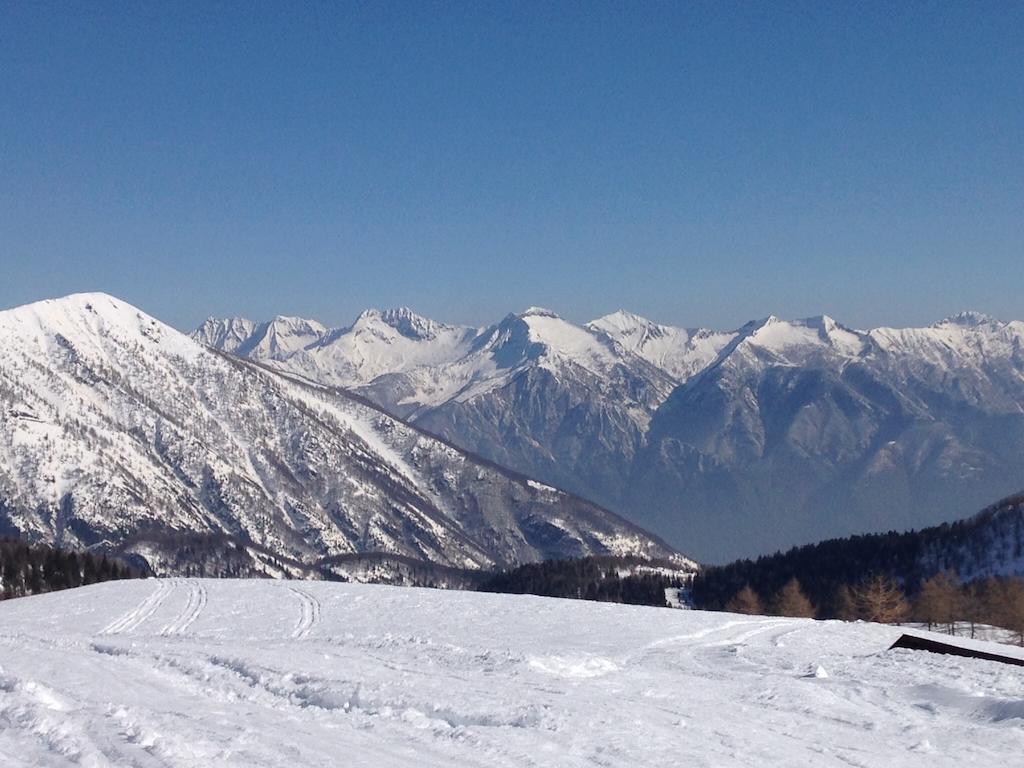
{"points": [[120, 432], [726, 443]]}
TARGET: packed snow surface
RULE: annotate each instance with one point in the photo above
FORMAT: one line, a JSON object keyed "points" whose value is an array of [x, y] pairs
{"points": [[260, 673]]}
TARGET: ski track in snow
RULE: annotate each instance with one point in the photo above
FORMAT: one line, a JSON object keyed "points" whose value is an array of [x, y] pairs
{"points": [[202, 673], [310, 616], [140, 613], [197, 597]]}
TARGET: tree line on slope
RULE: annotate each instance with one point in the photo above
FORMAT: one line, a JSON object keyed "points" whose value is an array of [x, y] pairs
{"points": [[834, 575], [942, 602], [198, 555], [31, 569], [601, 578], [909, 558]]}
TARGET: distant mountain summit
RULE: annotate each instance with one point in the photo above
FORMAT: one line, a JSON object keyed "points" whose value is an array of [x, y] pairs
{"points": [[227, 334], [726, 442], [679, 352], [969, 320], [122, 434], [274, 340]]}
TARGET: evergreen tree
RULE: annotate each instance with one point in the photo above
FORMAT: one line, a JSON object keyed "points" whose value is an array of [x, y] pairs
{"points": [[35, 568]]}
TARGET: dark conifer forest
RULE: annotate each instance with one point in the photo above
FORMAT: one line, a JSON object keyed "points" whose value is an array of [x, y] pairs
{"points": [[973, 549], [31, 569], [605, 579]]}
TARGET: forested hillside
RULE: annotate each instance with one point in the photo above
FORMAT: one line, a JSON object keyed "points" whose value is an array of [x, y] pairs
{"points": [[606, 579], [988, 544], [968, 571], [30, 569]]}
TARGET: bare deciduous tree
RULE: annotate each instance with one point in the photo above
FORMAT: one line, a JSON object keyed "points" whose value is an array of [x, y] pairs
{"points": [[791, 601], [939, 602], [1006, 604], [879, 598], [845, 607], [745, 601]]}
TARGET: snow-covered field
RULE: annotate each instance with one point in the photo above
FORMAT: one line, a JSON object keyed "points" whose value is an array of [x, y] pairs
{"points": [[260, 673]]}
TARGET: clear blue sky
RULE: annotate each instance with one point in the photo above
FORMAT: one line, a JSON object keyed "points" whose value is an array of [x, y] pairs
{"points": [[697, 163]]}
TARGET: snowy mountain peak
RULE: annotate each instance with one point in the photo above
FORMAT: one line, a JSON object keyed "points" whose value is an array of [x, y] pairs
{"points": [[412, 325], [293, 324], [567, 340], [94, 302], [623, 317], [793, 339], [272, 340], [538, 312], [282, 337], [224, 333], [969, 319], [680, 352], [403, 320], [86, 321], [622, 323], [773, 331]]}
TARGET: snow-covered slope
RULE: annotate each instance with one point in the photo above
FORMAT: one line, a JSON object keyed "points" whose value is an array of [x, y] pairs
{"points": [[989, 544], [680, 352], [117, 428], [261, 673], [392, 341]]}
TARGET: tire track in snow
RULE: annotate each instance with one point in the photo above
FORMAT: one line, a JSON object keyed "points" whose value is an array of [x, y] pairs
{"points": [[193, 608], [310, 615], [759, 629], [140, 613], [737, 631]]}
